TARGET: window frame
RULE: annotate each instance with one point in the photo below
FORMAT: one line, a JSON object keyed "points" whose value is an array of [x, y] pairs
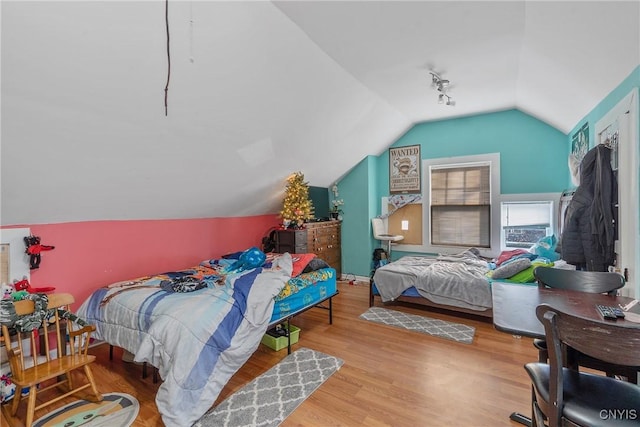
{"points": [[493, 159], [554, 198], [458, 193]]}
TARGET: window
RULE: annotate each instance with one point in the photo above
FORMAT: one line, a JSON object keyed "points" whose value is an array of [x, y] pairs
{"points": [[464, 209], [525, 222], [461, 205]]}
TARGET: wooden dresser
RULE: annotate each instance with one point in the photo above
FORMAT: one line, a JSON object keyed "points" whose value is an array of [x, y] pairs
{"points": [[320, 238]]}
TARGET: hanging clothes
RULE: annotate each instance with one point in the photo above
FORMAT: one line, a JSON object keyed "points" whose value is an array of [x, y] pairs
{"points": [[589, 233]]}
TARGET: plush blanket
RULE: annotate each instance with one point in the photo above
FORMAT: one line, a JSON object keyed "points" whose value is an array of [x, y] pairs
{"points": [[197, 337], [457, 280]]}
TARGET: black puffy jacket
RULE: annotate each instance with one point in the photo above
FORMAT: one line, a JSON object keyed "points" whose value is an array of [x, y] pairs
{"points": [[589, 234]]}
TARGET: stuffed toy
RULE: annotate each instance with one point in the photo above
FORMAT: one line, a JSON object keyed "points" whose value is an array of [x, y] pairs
{"points": [[23, 285], [6, 290], [251, 258], [33, 249], [7, 388], [19, 295]]}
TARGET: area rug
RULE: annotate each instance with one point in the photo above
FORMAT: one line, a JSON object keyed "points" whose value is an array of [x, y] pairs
{"points": [[117, 409], [270, 398], [426, 325]]}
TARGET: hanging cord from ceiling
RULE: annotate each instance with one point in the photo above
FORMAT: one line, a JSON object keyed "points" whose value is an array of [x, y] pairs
{"points": [[166, 88], [191, 57]]}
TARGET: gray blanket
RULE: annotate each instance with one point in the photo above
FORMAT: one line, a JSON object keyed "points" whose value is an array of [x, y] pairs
{"points": [[458, 280]]}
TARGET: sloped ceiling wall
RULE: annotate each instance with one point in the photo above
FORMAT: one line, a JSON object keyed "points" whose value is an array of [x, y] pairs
{"points": [[258, 90]]}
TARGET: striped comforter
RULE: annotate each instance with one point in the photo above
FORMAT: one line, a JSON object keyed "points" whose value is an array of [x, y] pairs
{"points": [[198, 339]]}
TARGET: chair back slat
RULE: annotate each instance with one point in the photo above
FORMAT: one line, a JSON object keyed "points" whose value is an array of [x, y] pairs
{"points": [[60, 343], [20, 346], [33, 349], [597, 282], [55, 300], [606, 341], [47, 347]]}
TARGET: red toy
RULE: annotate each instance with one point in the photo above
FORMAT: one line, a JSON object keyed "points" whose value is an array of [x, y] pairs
{"points": [[33, 249], [23, 285]]}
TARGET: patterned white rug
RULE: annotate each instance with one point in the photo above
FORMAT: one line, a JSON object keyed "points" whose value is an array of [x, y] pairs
{"points": [[436, 327], [270, 398]]}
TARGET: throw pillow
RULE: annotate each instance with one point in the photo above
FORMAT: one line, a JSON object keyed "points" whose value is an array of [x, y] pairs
{"points": [[300, 261], [526, 275], [507, 270]]}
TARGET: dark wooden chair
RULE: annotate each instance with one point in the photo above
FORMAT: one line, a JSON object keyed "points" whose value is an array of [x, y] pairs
{"points": [[564, 396], [598, 282], [44, 356]]}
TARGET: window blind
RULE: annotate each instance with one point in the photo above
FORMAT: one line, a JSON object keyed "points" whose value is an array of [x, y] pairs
{"points": [[461, 205]]}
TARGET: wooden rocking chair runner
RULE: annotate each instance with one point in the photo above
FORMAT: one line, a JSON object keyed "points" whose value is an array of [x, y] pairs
{"points": [[35, 361]]}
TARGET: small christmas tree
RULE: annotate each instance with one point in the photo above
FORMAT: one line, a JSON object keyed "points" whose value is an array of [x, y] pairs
{"points": [[297, 207]]}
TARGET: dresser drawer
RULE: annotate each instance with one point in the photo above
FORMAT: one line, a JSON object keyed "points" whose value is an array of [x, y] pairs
{"points": [[323, 239], [331, 258], [292, 241]]}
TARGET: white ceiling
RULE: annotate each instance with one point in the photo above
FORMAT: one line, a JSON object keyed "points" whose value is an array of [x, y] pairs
{"points": [[261, 89]]}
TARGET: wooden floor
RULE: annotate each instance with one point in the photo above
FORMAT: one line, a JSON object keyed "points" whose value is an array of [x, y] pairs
{"points": [[390, 377]]}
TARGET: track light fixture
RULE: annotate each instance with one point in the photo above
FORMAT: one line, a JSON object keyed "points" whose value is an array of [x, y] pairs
{"points": [[441, 85]]}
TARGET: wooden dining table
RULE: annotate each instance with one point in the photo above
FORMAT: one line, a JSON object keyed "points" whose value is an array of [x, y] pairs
{"points": [[514, 311], [514, 307]]}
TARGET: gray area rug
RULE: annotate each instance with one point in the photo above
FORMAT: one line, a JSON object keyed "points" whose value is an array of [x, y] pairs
{"points": [[435, 327], [270, 398]]}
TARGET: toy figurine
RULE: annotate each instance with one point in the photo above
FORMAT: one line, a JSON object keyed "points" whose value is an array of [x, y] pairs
{"points": [[23, 285], [6, 290], [33, 249]]}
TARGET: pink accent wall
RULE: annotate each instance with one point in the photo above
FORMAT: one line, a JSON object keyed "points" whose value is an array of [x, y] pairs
{"points": [[92, 254]]}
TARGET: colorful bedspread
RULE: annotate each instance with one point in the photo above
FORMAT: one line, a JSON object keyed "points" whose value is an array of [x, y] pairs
{"points": [[196, 338], [304, 291]]}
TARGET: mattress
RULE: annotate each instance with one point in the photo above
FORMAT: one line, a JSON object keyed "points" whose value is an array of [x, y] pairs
{"points": [[304, 291], [458, 280], [409, 292]]}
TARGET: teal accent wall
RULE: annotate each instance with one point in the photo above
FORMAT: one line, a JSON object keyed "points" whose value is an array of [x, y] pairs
{"points": [[357, 190], [533, 160], [610, 101], [533, 155]]}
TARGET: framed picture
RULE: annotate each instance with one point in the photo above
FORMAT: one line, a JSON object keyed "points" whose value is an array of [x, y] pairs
{"points": [[580, 142], [404, 170]]}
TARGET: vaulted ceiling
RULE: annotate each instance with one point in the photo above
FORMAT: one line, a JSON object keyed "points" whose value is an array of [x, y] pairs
{"points": [[258, 90]]}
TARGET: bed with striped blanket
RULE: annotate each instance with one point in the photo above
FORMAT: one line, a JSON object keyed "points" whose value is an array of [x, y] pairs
{"points": [[197, 326]]}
